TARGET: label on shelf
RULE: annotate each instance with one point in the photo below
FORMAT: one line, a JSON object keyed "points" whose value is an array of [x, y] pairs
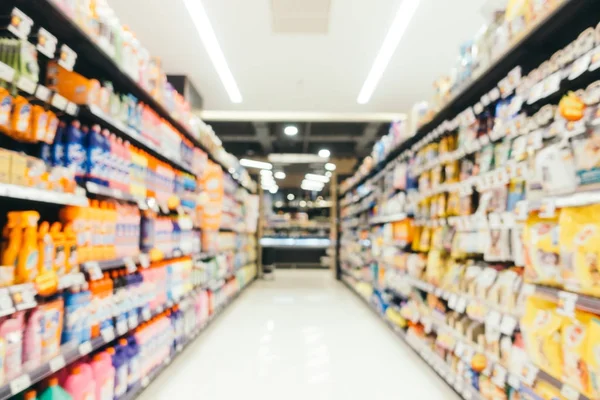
{"points": [[548, 208], [567, 303], [508, 324], [514, 381], [71, 108], [452, 301], [93, 269], [130, 264], [85, 348], [7, 73], [23, 296], [20, 24], [461, 305], [46, 43], [569, 392], [19, 384], [499, 375], [67, 57], [145, 381], [530, 373], [108, 334], [146, 314], [42, 93], [57, 363], [132, 321], [26, 84], [122, 327], [59, 102], [493, 319], [6, 303]]}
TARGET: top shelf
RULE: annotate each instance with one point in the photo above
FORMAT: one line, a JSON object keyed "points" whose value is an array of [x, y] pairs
{"points": [[66, 30], [528, 48]]}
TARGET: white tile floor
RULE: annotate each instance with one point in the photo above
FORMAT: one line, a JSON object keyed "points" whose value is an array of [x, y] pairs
{"points": [[303, 336]]}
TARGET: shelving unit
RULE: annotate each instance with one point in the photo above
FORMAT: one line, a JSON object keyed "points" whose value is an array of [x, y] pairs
{"points": [[433, 270]]}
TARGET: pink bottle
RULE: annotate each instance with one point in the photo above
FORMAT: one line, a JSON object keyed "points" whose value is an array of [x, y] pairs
{"points": [[104, 376], [80, 383], [32, 340]]}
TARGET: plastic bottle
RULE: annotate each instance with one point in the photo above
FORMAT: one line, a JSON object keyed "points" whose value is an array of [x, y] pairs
{"points": [[20, 119], [51, 127], [95, 154], [75, 152], [6, 102], [12, 236], [104, 375], [79, 385], [32, 340], [30, 395], [77, 218], [11, 331], [121, 372], [27, 264], [54, 391], [45, 248], [60, 254], [39, 123], [71, 252], [58, 145]]}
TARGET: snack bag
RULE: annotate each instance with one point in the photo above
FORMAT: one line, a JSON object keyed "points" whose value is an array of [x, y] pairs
{"points": [[592, 357], [541, 326], [579, 249], [542, 259], [575, 338]]}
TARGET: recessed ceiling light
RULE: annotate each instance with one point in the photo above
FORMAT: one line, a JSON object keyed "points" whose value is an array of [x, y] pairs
{"points": [[324, 153], [290, 130], [255, 164], [330, 166], [279, 204], [302, 203], [403, 16], [316, 178], [279, 175], [207, 35], [266, 172], [231, 170], [328, 174], [273, 189], [291, 197]]}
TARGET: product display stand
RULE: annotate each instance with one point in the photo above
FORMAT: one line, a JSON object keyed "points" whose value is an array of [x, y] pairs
{"points": [[469, 235]]}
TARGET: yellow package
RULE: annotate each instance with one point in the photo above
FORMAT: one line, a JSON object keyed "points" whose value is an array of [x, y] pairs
{"points": [[546, 391], [575, 333], [541, 327], [435, 267], [579, 250], [592, 356], [425, 239], [542, 260], [416, 244]]}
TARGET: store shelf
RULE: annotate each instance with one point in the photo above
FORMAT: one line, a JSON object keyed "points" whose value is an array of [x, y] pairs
{"points": [[94, 113], [544, 31], [388, 218], [459, 385], [53, 19], [569, 299], [41, 195], [113, 193], [72, 352]]}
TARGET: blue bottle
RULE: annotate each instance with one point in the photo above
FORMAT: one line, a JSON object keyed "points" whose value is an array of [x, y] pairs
{"points": [[95, 155], [133, 355], [75, 152], [58, 147]]}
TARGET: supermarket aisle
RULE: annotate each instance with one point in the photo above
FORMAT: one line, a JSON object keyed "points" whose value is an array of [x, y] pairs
{"points": [[302, 336]]}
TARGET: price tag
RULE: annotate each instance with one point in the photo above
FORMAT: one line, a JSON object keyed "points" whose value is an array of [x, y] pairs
{"points": [[144, 260], [46, 43], [130, 264], [168, 360], [452, 301], [494, 94], [536, 93], [179, 347], [71, 108], [478, 108], [547, 208], [93, 270], [514, 381], [552, 84], [493, 319], [59, 102], [530, 373], [580, 66], [485, 100], [567, 303], [7, 74], [85, 348], [67, 57], [57, 363], [20, 24], [508, 325], [122, 327], [146, 314], [569, 392], [26, 84], [145, 381], [427, 324], [133, 321], [461, 305], [19, 384], [42, 93], [108, 334]]}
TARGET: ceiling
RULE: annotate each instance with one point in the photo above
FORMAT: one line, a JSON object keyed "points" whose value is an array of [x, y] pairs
{"points": [[321, 70]]}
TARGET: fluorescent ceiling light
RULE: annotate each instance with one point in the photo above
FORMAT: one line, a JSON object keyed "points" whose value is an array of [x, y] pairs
{"points": [[255, 164], [279, 175], [324, 153], [211, 44], [294, 158], [403, 16], [316, 178], [311, 188], [290, 130], [266, 172], [330, 166], [291, 197], [309, 185]]}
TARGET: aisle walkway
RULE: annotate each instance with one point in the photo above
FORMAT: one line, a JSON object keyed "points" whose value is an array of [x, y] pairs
{"points": [[303, 336]]}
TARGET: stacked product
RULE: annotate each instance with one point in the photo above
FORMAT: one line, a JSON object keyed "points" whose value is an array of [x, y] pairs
{"points": [[481, 244]]}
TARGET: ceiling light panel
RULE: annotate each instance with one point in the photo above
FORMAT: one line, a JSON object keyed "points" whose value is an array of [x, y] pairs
{"points": [[316, 178], [244, 162], [211, 44], [306, 16], [401, 21]]}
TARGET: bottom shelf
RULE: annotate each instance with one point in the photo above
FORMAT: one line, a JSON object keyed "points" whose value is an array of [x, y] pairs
{"points": [[456, 383], [135, 391]]}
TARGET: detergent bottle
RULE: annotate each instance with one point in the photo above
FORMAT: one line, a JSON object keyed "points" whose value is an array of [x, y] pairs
{"points": [[95, 154], [21, 116], [6, 102], [54, 391], [28, 258], [58, 145], [79, 385], [45, 248], [75, 153], [39, 123], [60, 257], [71, 253], [51, 127], [104, 375]]}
